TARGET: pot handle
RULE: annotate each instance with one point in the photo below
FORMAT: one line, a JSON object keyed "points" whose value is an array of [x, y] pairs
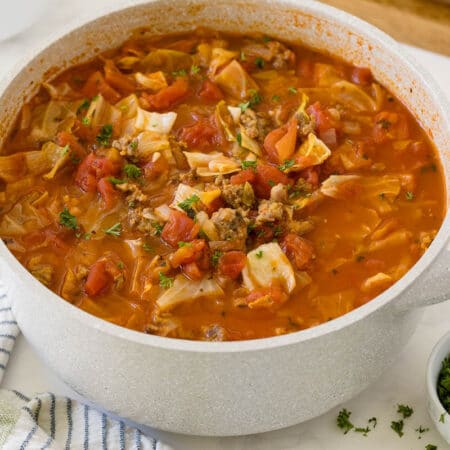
{"points": [[433, 286]]}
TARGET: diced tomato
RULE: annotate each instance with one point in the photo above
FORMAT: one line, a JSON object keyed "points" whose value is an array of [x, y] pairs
{"points": [[210, 91], [108, 193], [154, 169], [275, 296], [99, 280], [192, 271], [231, 264], [305, 68], [178, 228], [96, 84], [92, 169], [215, 205], [64, 138], [322, 117], [188, 253], [266, 177], [280, 143], [117, 79], [298, 250], [246, 175], [361, 75], [202, 135], [311, 175], [390, 125], [167, 97]]}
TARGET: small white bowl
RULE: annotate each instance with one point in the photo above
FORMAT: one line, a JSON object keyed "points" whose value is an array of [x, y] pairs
{"points": [[438, 414]]}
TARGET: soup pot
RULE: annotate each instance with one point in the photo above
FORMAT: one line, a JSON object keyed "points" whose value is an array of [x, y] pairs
{"points": [[230, 388]]}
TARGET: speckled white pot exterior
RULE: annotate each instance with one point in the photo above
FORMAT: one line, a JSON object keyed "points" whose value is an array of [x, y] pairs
{"points": [[244, 387]]}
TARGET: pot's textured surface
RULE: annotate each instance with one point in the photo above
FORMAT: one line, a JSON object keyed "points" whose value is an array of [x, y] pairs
{"points": [[241, 387]]}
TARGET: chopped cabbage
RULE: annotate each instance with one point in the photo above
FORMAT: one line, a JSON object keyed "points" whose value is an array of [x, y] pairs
{"points": [[337, 186], [184, 290], [153, 121], [153, 81], [64, 156], [100, 112], [235, 81], [379, 281], [226, 121], [312, 152], [326, 75], [353, 96], [248, 143], [185, 191], [267, 264], [219, 58], [211, 164], [235, 113], [207, 226], [169, 60], [128, 107]]}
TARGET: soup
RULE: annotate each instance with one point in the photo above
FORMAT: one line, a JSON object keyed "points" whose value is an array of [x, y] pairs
{"points": [[213, 186]]}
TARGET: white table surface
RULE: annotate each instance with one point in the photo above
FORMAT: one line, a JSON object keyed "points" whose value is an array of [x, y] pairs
{"points": [[404, 382]]}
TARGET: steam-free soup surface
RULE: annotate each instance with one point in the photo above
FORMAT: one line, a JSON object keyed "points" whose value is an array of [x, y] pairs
{"points": [[218, 187]]}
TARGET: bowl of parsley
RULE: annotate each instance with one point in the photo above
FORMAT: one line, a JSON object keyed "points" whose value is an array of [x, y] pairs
{"points": [[438, 386]]}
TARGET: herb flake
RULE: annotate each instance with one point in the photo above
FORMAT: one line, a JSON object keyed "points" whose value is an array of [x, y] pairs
{"points": [[164, 281], [105, 135], [115, 230], [398, 427], [68, 220], [286, 164]]}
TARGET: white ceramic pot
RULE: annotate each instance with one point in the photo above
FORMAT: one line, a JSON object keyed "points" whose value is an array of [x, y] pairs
{"points": [[232, 388]]}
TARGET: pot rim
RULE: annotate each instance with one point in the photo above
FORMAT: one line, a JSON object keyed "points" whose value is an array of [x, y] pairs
{"points": [[312, 7]]}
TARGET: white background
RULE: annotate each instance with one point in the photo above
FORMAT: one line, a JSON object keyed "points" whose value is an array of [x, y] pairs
{"points": [[402, 383]]}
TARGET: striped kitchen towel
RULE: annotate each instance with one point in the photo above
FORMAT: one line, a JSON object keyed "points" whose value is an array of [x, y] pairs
{"points": [[55, 423]]}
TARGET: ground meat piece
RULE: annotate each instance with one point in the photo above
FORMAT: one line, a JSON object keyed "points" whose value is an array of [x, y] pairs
{"points": [[126, 146], [214, 333], [269, 211], [282, 57], [73, 284], [231, 227], [279, 193], [299, 226], [238, 195], [306, 124], [135, 193], [255, 124], [190, 177], [142, 219]]}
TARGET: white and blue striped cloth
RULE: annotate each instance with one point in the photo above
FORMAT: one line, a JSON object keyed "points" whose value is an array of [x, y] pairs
{"points": [[56, 423]]}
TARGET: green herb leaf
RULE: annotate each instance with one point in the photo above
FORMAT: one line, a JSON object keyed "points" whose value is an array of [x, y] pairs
{"points": [[249, 165], [398, 427], [255, 98], [373, 421], [292, 90], [343, 421], [68, 220], [430, 447], [147, 247], [179, 73], [286, 164], [243, 57], [244, 106], [409, 196], [120, 265], [271, 183], [266, 39], [184, 244], [195, 69], [115, 230], [443, 386], [405, 410], [85, 105], [132, 171], [158, 228], [65, 150], [215, 257], [277, 231], [187, 205], [104, 137], [87, 236], [85, 121], [259, 62], [133, 145], [114, 180], [239, 138], [164, 281], [259, 254], [276, 98], [363, 431]]}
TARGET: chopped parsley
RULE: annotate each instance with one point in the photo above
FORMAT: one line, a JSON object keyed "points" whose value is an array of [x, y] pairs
{"points": [[195, 69], [276, 98], [405, 410], [239, 138], [104, 137], [187, 204], [421, 430], [259, 254], [164, 281], [373, 421], [249, 165], [85, 105], [179, 73], [158, 228], [430, 447], [271, 183], [115, 230], [443, 386], [343, 421], [286, 164], [65, 150], [292, 90], [68, 220], [215, 257], [360, 258], [398, 427], [120, 265], [363, 431], [266, 39], [255, 98], [442, 418], [133, 145], [132, 171], [409, 196], [184, 244], [384, 123], [244, 106], [277, 231], [147, 247], [259, 62], [114, 180], [85, 121], [87, 236]]}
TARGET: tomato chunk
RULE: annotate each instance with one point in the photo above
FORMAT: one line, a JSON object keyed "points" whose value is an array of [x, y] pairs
{"points": [[361, 75], [179, 228], [192, 271], [266, 177], [189, 252], [231, 264], [108, 193], [154, 169], [280, 143], [202, 135], [167, 97], [298, 250], [64, 138], [390, 125], [99, 279], [246, 175], [117, 79], [92, 169], [269, 298], [210, 91], [96, 84], [322, 117]]}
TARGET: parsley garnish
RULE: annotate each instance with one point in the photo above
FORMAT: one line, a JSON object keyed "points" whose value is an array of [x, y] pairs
{"points": [[114, 180], [286, 164], [409, 196], [443, 386], [271, 183], [266, 39], [259, 254], [442, 418], [133, 145], [104, 137], [277, 231], [120, 265], [85, 105], [343, 421], [165, 282], [187, 204], [373, 420], [179, 73], [68, 220], [86, 121], [421, 430], [184, 244], [239, 138], [158, 228], [215, 257], [87, 236], [259, 62], [430, 447], [360, 258], [195, 69], [398, 427], [405, 410], [292, 90], [249, 165], [65, 150], [132, 171], [255, 98], [244, 106], [364, 431], [147, 247], [276, 98], [115, 230]]}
